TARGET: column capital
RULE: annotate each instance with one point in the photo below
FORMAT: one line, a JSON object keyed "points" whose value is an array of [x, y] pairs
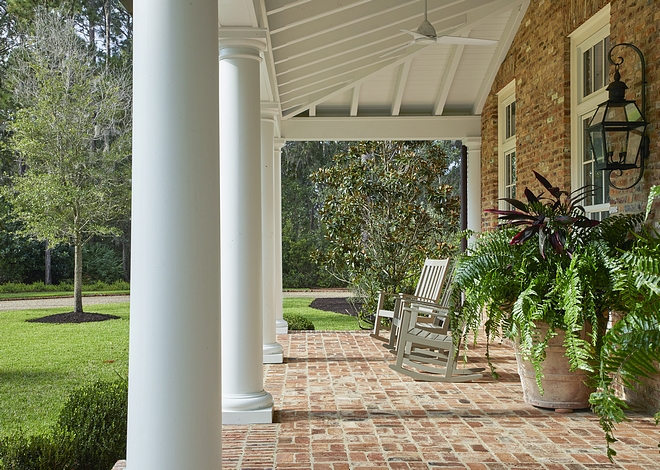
{"points": [[279, 143], [269, 110], [246, 43], [472, 143]]}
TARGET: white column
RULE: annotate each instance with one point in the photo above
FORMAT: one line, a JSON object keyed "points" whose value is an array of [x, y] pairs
{"points": [[282, 327], [473, 145], [174, 420], [244, 400], [272, 350]]}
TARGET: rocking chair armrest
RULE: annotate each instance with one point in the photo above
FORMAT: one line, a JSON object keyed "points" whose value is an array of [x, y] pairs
{"points": [[414, 298], [428, 316]]}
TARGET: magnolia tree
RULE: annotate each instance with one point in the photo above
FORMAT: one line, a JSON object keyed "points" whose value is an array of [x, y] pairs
{"points": [[387, 207], [72, 134]]}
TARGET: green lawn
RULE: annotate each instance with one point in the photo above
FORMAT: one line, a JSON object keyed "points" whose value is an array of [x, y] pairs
{"points": [[41, 363], [322, 320]]}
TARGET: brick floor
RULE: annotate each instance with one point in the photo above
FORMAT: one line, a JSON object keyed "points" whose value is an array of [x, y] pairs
{"points": [[339, 406]]}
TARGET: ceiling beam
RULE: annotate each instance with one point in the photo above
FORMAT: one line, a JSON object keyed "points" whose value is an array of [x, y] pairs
{"points": [[356, 35], [336, 74], [382, 128], [399, 87], [386, 14], [276, 6], [314, 97], [355, 100], [447, 79], [307, 12]]}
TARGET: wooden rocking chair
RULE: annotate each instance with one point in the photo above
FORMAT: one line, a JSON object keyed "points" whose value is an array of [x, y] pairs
{"points": [[429, 288], [428, 354]]}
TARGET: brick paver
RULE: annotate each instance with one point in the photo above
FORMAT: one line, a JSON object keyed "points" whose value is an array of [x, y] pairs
{"points": [[339, 406]]}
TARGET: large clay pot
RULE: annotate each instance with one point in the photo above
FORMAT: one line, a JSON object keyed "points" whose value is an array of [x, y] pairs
{"points": [[562, 389]]}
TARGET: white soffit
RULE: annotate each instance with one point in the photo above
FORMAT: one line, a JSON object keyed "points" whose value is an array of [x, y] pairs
{"points": [[342, 66]]}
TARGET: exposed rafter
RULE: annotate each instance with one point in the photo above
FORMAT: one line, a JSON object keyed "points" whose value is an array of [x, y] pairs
{"points": [[345, 58]]}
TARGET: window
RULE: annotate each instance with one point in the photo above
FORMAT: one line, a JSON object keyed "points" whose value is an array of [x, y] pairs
{"points": [[590, 44], [506, 141]]}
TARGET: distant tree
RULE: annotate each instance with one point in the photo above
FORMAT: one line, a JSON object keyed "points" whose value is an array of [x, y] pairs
{"points": [[72, 133], [386, 208], [302, 232]]}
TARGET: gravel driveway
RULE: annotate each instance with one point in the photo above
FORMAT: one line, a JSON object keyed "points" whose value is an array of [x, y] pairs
{"points": [[112, 299]]}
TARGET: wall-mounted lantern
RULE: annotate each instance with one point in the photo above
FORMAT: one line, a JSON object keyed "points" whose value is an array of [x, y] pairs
{"points": [[617, 130]]}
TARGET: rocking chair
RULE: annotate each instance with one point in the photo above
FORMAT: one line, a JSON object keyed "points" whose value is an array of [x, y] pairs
{"points": [[429, 288]]}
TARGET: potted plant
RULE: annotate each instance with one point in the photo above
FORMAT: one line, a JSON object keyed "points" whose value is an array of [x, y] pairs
{"points": [[630, 349], [542, 279]]}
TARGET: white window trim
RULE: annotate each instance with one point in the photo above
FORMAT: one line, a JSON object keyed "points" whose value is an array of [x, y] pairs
{"points": [[505, 96], [588, 34]]}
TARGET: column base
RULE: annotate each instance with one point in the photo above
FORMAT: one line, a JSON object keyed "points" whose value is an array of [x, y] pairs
{"points": [[281, 327], [264, 416], [248, 408], [273, 353]]}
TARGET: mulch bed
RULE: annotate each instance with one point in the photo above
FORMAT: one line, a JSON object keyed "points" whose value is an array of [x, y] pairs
{"points": [[337, 305], [74, 317]]}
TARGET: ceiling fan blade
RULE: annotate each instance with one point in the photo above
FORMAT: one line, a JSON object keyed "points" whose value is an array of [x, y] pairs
{"points": [[465, 41], [414, 34]]}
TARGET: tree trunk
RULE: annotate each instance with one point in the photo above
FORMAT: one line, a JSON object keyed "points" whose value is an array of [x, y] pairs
{"points": [[106, 14], [48, 278], [126, 253], [77, 278]]}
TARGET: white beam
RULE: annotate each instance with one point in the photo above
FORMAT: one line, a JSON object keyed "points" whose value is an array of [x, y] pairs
{"points": [[312, 96], [310, 11], [340, 42], [386, 14], [400, 86], [382, 128], [280, 5], [331, 77], [447, 79], [355, 100]]}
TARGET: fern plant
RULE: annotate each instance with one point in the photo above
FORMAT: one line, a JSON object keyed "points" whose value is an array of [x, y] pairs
{"points": [[631, 348], [548, 263]]}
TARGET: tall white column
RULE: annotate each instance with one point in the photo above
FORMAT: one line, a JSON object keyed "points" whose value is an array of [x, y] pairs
{"points": [[244, 400], [473, 145], [282, 327], [272, 350], [174, 419]]}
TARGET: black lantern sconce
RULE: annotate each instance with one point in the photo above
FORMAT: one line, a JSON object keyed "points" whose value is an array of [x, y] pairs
{"points": [[617, 131]]}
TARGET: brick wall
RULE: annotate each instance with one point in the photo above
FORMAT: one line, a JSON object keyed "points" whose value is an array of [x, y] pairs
{"points": [[539, 62]]}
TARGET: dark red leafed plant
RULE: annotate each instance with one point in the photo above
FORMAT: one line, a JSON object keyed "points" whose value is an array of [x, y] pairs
{"points": [[557, 218]]}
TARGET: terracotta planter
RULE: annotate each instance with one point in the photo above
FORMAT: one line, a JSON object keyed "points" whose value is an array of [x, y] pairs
{"points": [[562, 389]]}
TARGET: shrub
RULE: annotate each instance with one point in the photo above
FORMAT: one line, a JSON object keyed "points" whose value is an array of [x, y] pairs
{"points": [[90, 433], [94, 421], [298, 322], [102, 263], [18, 452], [98, 286]]}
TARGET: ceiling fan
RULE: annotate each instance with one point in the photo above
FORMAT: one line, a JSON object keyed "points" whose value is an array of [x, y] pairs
{"points": [[425, 34]]}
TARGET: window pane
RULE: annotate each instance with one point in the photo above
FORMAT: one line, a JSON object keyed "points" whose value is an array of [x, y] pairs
{"points": [[513, 119], [586, 69], [598, 80]]}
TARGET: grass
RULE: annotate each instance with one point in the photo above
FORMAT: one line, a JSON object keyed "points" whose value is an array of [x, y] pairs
{"points": [[41, 363], [322, 320]]}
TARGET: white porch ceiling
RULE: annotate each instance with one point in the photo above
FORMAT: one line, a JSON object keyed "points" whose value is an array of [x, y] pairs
{"points": [[339, 69]]}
